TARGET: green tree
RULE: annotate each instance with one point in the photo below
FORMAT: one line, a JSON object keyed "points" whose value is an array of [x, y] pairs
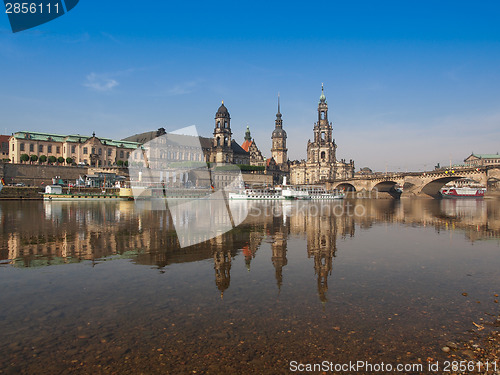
{"points": [[25, 157], [60, 160], [52, 159], [42, 159], [33, 158], [69, 161], [126, 163], [119, 163]]}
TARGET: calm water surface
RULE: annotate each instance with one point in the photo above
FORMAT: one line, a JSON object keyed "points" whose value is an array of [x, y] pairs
{"points": [[105, 288]]}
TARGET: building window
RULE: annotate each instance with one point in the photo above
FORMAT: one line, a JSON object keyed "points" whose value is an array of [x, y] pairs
{"points": [[121, 154], [93, 150], [58, 149], [100, 151], [40, 148], [109, 152], [13, 147], [128, 155], [49, 149], [73, 149], [32, 147], [85, 151]]}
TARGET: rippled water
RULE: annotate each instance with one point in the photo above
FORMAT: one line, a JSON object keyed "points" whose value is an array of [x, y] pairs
{"points": [[102, 288]]}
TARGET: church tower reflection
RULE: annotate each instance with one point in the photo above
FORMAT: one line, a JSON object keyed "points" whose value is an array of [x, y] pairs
{"points": [[279, 248], [322, 246], [222, 267], [322, 230]]}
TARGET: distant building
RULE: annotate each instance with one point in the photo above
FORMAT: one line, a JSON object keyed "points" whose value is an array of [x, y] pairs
{"points": [[93, 151], [322, 164], [250, 146], [364, 172], [482, 160], [220, 149], [4, 147]]}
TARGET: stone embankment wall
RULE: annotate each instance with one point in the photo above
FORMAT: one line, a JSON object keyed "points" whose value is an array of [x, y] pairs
{"points": [[14, 192], [36, 174]]}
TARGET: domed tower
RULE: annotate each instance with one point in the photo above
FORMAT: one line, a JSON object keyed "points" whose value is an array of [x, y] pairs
{"points": [[222, 152], [279, 150]]}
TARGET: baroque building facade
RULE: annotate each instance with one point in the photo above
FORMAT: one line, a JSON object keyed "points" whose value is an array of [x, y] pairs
{"points": [[81, 149], [322, 164]]}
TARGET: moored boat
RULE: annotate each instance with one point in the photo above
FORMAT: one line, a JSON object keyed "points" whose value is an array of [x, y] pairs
{"points": [[255, 194], [462, 192], [55, 192], [295, 192]]}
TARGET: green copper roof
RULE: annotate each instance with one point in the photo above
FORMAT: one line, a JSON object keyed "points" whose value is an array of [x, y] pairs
{"points": [[75, 138], [487, 156], [248, 137], [322, 98]]}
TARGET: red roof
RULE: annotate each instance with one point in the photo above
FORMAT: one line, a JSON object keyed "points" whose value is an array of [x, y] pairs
{"points": [[246, 145]]}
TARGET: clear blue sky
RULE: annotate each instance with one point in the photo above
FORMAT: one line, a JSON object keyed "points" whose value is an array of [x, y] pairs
{"points": [[408, 84]]}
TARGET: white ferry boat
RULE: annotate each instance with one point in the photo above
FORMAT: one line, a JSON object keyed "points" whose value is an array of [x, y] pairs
{"points": [[328, 196], [463, 192], [256, 194], [295, 192], [288, 192]]}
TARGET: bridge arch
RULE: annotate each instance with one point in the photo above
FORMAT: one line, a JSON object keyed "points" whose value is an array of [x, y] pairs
{"points": [[433, 187], [346, 187], [384, 186]]}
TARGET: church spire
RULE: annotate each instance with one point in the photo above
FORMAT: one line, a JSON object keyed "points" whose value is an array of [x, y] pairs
{"points": [[278, 121]]}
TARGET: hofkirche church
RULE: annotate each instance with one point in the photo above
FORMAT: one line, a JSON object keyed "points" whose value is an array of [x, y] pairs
{"points": [[321, 164]]}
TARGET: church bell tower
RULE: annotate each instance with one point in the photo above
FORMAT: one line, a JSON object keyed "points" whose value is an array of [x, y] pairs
{"points": [[222, 152], [279, 150]]}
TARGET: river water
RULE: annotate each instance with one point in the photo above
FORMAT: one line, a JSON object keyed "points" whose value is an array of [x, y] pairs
{"points": [[106, 288]]}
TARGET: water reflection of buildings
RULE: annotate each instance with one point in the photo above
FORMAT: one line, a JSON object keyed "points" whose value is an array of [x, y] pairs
{"points": [[58, 232], [322, 227], [279, 232]]}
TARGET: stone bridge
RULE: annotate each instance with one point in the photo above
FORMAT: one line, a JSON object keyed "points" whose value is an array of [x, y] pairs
{"points": [[418, 183]]}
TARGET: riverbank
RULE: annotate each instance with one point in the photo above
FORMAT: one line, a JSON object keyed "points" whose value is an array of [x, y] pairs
{"points": [[481, 351]]}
